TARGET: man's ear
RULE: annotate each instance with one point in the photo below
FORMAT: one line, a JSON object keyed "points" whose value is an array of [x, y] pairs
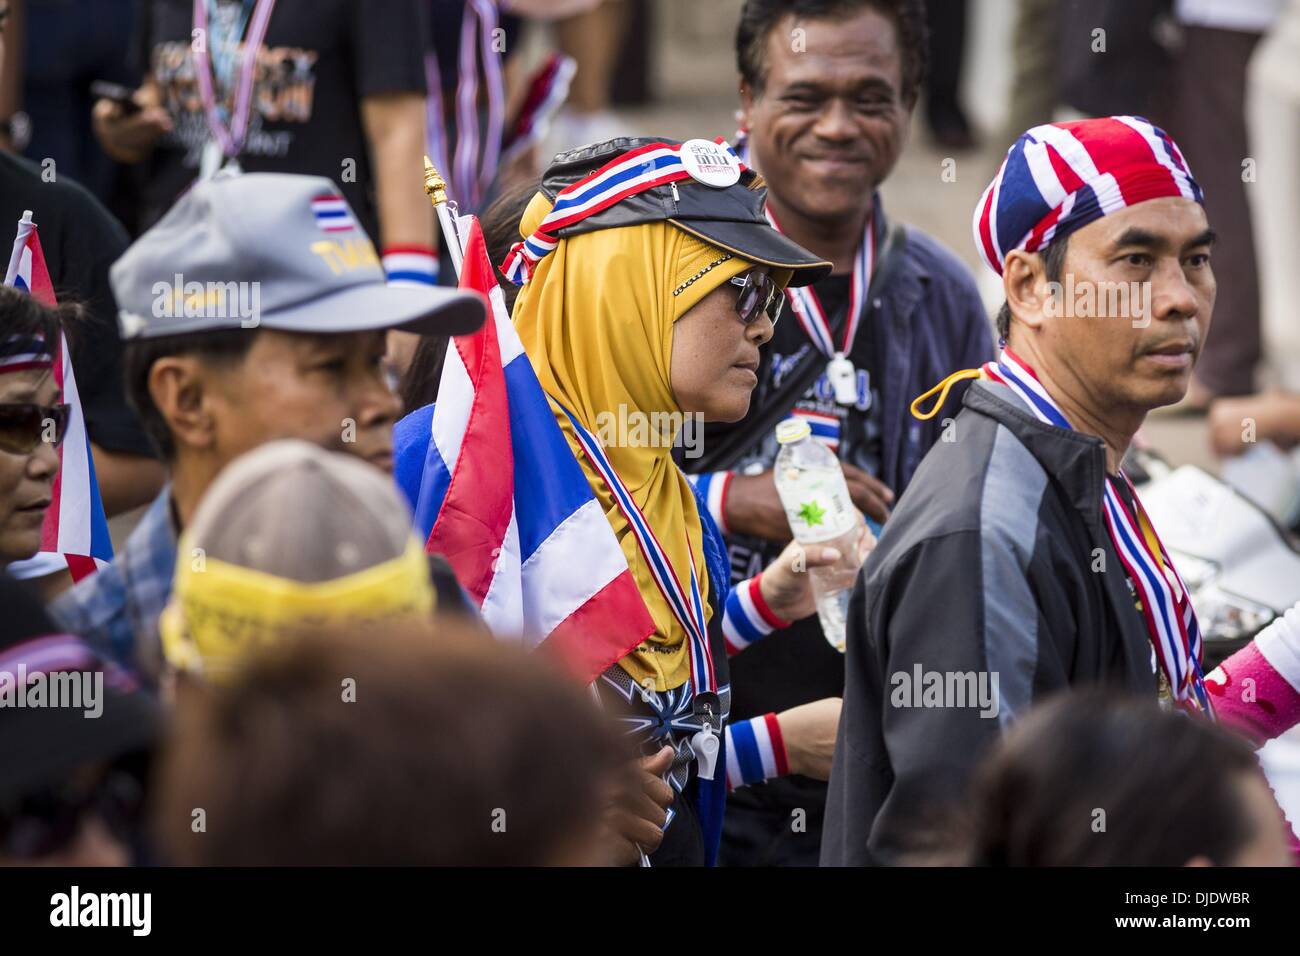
{"points": [[1024, 281], [182, 393], [746, 105]]}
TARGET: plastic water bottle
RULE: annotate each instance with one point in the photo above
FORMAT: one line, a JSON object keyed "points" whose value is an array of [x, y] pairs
{"points": [[816, 499]]}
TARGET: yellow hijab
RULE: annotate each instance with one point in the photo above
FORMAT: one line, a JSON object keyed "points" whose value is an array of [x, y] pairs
{"points": [[596, 319]]}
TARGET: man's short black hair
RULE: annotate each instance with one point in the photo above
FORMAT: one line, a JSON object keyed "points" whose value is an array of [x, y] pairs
{"points": [[139, 355], [759, 18], [1053, 256]]}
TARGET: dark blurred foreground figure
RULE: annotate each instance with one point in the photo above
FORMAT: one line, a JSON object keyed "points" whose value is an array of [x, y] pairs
{"points": [[1095, 779], [75, 739], [375, 749]]}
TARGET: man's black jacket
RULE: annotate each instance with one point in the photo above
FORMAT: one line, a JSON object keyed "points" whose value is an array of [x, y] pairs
{"points": [[996, 561]]}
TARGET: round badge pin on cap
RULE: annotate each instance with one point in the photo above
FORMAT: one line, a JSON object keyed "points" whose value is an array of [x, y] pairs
{"points": [[710, 163]]}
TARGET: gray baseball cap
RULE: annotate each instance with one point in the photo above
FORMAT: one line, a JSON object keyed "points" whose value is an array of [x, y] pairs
{"points": [[275, 251]]}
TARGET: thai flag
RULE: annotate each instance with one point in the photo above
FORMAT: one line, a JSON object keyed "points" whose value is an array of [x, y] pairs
{"points": [[332, 214], [496, 488], [75, 533]]}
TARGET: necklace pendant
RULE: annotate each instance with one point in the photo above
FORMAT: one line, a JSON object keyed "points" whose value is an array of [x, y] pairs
{"points": [[843, 378]]}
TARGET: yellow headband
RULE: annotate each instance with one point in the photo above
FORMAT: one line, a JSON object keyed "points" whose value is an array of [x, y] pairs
{"points": [[219, 612]]}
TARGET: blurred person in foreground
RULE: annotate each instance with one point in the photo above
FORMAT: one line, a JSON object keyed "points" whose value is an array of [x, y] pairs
{"points": [[32, 421], [825, 124], [276, 329], [351, 749], [291, 538], [1020, 561], [75, 743], [1100, 779]]}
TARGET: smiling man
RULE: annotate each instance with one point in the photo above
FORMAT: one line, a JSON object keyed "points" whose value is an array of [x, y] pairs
{"points": [[255, 310], [827, 89], [1020, 550]]}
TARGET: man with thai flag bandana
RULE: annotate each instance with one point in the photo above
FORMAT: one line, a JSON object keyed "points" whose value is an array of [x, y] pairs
{"points": [[1020, 553]]}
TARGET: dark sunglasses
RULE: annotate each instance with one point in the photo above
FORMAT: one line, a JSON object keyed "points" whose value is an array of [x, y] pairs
{"points": [[45, 822], [23, 426], [759, 295]]}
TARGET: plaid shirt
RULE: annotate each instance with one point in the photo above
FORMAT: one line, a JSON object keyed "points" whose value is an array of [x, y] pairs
{"points": [[116, 609]]}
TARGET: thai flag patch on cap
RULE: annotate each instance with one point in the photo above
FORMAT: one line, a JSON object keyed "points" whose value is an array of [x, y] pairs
{"points": [[332, 214]]}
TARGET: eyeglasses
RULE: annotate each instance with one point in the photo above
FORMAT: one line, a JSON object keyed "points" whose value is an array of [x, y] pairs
{"points": [[759, 295], [46, 821], [23, 426]]}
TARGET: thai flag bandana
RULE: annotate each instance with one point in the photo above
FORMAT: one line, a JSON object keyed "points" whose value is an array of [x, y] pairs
{"points": [[1166, 607], [1059, 177], [18, 353], [636, 171]]}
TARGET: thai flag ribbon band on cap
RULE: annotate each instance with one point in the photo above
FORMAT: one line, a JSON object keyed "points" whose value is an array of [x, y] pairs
{"points": [[1059, 177], [18, 353], [635, 171]]}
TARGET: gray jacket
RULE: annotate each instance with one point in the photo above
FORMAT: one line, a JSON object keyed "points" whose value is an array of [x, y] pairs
{"points": [[994, 584]]}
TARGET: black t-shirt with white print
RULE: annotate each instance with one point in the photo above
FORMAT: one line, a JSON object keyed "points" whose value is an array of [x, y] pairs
{"points": [[320, 58]]}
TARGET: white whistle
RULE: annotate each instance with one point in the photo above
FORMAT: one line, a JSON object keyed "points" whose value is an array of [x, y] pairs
{"points": [[705, 744], [843, 378]]}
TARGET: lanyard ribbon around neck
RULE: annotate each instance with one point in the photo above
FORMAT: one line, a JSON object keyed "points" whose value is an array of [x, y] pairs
{"points": [[808, 307], [1166, 606], [687, 608], [230, 138]]}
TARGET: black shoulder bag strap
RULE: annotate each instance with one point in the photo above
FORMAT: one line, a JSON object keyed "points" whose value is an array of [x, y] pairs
{"points": [[732, 446]]}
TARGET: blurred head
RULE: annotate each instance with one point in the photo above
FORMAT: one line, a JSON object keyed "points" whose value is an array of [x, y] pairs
{"points": [[827, 89], [32, 420], [388, 747], [215, 395], [287, 540], [74, 745], [1095, 779]]}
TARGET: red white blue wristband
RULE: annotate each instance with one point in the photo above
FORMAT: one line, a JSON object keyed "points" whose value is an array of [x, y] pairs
{"points": [[755, 751], [746, 617], [411, 265], [713, 488]]}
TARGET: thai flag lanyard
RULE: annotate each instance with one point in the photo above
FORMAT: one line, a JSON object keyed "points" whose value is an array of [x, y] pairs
{"points": [[1166, 607], [229, 138], [627, 175], [816, 324], [688, 608]]}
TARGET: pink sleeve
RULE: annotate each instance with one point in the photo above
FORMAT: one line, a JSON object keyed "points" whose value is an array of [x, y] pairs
{"points": [[1252, 697]]}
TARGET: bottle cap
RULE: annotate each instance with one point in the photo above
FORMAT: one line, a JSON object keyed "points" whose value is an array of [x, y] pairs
{"points": [[791, 430]]}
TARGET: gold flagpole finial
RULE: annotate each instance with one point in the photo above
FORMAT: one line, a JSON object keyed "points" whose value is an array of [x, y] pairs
{"points": [[434, 184]]}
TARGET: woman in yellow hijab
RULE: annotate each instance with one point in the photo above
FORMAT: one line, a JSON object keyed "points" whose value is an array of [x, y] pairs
{"points": [[653, 278]]}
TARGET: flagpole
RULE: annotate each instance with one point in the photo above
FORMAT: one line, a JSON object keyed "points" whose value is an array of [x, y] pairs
{"points": [[436, 188]]}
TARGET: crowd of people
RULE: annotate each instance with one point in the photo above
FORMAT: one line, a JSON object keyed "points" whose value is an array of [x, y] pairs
{"points": [[282, 665]]}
